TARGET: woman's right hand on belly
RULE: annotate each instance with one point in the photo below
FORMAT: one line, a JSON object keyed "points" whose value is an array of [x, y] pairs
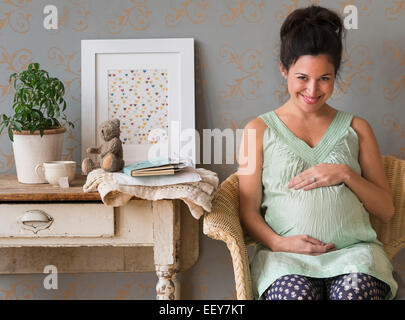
{"points": [[302, 244]]}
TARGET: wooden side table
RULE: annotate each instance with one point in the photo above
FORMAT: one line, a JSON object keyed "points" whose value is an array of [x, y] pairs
{"points": [[47, 218]]}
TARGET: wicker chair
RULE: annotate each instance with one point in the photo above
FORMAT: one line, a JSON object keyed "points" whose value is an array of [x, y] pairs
{"points": [[223, 223]]}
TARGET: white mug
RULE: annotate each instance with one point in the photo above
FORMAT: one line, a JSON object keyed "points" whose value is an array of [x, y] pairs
{"points": [[52, 171]]}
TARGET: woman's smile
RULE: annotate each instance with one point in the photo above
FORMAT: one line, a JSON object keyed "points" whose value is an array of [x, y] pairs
{"points": [[310, 100]]}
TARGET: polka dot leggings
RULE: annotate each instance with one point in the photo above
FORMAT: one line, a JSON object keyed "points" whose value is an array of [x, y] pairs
{"points": [[354, 286]]}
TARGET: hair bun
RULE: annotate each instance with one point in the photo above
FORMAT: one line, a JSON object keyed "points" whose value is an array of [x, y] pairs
{"points": [[313, 16]]}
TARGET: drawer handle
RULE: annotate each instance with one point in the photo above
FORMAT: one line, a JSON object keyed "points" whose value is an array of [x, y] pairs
{"points": [[35, 220]]}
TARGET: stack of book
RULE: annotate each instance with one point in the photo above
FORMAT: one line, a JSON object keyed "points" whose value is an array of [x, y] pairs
{"points": [[153, 167]]}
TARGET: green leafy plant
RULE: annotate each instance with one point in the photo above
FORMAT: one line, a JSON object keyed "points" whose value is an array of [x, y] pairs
{"points": [[38, 102]]}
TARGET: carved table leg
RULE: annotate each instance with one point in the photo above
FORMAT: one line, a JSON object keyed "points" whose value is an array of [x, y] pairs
{"points": [[165, 288], [166, 236]]}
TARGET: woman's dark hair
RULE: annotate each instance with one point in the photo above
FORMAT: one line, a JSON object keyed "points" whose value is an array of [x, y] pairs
{"points": [[312, 31]]}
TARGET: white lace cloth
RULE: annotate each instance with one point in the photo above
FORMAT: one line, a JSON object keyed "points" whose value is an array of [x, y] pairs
{"points": [[197, 195]]}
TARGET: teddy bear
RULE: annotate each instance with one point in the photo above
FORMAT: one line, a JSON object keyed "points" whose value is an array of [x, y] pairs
{"points": [[110, 153]]}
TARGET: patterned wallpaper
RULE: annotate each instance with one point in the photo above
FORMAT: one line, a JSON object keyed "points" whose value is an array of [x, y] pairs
{"points": [[237, 78]]}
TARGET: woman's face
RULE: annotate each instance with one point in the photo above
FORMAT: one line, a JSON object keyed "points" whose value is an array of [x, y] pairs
{"points": [[310, 82]]}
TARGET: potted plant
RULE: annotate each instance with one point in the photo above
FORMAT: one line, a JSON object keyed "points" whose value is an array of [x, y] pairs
{"points": [[35, 128]]}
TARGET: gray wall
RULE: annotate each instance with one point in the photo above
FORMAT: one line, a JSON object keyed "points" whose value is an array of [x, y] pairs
{"points": [[237, 78]]}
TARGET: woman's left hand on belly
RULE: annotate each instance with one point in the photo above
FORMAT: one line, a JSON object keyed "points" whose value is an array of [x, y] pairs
{"points": [[322, 175]]}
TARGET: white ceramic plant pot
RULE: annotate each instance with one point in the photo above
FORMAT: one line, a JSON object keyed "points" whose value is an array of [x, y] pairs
{"points": [[32, 149]]}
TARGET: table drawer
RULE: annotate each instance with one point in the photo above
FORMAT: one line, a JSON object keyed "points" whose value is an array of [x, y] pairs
{"points": [[66, 220]]}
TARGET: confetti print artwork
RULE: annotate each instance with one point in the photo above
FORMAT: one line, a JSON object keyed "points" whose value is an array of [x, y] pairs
{"points": [[139, 98]]}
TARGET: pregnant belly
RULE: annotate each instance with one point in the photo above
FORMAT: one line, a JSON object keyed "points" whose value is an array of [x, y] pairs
{"points": [[330, 214]]}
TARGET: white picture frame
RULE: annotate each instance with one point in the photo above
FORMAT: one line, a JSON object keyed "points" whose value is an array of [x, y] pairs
{"points": [[99, 57]]}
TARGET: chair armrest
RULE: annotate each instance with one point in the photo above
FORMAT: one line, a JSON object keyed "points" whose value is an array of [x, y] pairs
{"points": [[223, 224], [392, 234], [224, 215]]}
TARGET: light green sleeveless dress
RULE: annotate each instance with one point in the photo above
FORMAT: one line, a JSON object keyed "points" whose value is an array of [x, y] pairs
{"points": [[331, 214]]}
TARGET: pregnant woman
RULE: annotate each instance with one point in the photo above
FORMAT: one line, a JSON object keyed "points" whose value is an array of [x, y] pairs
{"points": [[318, 175]]}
